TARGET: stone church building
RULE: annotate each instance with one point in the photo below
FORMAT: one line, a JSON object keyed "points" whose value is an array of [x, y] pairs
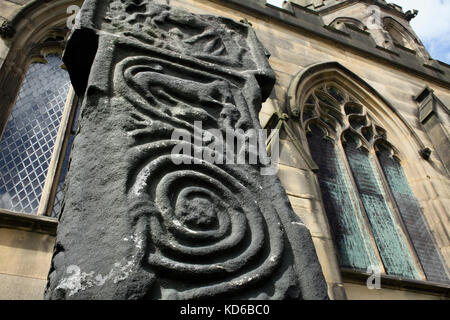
{"points": [[364, 151]]}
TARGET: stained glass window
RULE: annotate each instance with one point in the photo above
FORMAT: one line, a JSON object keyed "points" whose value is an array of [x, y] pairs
{"points": [[367, 198], [341, 205], [411, 214], [388, 238], [29, 137]]}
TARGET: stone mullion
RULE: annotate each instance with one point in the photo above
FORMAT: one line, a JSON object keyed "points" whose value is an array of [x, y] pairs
{"points": [[61, 143]]}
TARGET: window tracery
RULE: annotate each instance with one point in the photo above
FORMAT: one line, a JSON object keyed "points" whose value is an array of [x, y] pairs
{"points": [[370, 206]]}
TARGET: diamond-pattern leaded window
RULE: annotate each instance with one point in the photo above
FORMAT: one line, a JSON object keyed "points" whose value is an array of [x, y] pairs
{"points": [[28, 140], [366, 195]]}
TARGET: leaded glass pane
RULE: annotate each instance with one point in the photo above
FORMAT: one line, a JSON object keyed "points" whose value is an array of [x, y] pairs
{"points": [[412, 216], [29, 137], [388, 236], [355, 250], [322, 97], [336, 93], [357, 121]]}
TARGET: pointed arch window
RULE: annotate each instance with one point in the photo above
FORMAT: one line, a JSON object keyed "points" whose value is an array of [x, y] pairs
{"points": [[375, 219], [36, 139]]}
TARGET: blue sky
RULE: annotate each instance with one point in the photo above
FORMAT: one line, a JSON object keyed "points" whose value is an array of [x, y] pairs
{"points": [[432, 25]]}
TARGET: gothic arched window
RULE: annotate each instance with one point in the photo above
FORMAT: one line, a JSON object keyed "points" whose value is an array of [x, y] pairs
{"points": [[403, 37], [374, 217], [34, 140]]}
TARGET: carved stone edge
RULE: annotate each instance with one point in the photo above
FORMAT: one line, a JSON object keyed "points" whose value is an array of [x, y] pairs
{"points": [[7, 30]]}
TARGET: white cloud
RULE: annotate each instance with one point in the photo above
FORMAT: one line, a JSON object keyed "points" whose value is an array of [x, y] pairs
{"points": [[433, 18], [276, 2]]}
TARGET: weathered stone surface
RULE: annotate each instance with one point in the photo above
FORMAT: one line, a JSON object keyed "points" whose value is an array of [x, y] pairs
{"points": [[137, 226], [6, 30]]}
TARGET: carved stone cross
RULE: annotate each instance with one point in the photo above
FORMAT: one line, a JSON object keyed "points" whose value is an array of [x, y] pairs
{"points": [[141, 221]]}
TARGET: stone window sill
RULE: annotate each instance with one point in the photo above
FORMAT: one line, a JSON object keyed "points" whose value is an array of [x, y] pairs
{"points": [[28, 222], [398, 283]]}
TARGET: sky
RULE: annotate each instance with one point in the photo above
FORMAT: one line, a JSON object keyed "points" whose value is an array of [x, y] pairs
{"points": [[432, 24]]}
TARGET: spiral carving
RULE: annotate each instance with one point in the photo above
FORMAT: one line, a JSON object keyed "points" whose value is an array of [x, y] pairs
{"points": [[204, 223], [205, 227]]}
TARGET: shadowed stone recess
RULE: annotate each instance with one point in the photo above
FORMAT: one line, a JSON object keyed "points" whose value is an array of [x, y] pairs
{"points": [[134, 224]]}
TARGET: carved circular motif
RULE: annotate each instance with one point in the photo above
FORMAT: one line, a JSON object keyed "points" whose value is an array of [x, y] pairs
{"points": [[205, 223]]}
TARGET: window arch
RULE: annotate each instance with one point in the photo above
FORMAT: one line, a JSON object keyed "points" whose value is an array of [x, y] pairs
{"points": [[375, 219], [402, 36], [340, 22]]}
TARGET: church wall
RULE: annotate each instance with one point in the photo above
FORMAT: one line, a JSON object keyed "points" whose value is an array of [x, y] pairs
{"points": [[24, 263]]}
